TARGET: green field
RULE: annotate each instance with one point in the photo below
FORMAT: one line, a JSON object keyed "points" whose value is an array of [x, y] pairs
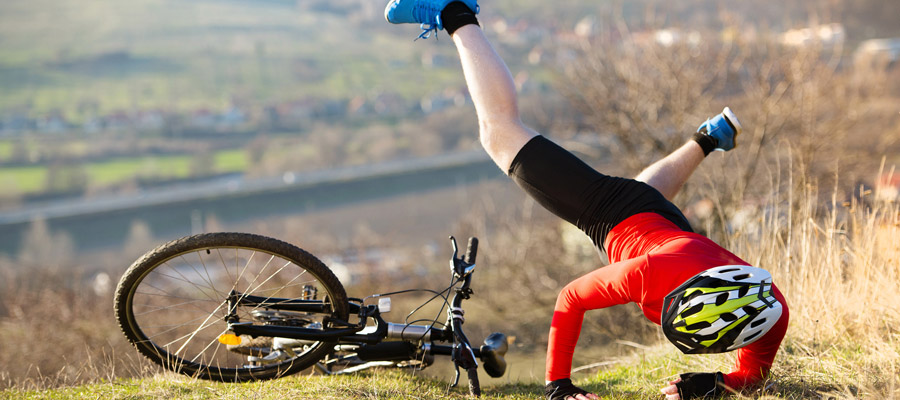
{"points": [[32, 179], [6, 149], [23, 180]]}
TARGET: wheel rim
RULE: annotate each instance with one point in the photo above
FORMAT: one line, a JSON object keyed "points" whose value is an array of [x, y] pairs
{"points": [[179, 306]]}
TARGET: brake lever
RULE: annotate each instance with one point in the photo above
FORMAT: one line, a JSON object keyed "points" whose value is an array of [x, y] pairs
{"points": [[455, 379], [458, 266]]}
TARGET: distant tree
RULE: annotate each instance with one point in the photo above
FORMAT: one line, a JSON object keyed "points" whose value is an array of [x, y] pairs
{"points": [[20, 151], [799, 106], [65, 178], [256, 149], [212, 224], [203, 164], [139, 240], [44, 248]]}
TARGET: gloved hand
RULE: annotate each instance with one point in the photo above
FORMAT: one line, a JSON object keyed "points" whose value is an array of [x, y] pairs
{"points": [[562, 389], [695, 385]]}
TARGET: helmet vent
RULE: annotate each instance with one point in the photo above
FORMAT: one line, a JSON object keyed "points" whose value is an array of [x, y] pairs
{"points": [[741, 277], [729, 270], [750, 310], [743, 290], [691, 311], [692, 296], [721, 299], [728, 317], [698, 326], [758, 322], [749, 339]]}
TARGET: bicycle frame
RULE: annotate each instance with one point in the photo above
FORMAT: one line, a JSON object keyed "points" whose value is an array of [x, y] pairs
{"points": [[343, 332]]}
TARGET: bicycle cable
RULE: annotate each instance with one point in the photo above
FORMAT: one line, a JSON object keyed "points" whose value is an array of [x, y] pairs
{"points": [[363, 300], [453, 282]]}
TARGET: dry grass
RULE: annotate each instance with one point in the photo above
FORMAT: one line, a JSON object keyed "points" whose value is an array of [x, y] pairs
{"points": [[57, 329], [838, 264]]}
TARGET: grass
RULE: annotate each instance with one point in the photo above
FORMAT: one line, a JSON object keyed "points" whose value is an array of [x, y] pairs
{"points": [[6, 149], [120, 170], [802, 372], [230, 160], [381, 385], [24, 179]]}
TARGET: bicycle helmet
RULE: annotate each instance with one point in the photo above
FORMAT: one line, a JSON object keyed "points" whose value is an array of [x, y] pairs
{"points": [[720, 309]]}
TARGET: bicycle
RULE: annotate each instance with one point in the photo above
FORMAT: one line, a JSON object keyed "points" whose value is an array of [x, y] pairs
{"points": [[238, 307]]}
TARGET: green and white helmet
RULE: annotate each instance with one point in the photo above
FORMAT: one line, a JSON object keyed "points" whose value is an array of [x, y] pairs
{"points": [[720, 309]]}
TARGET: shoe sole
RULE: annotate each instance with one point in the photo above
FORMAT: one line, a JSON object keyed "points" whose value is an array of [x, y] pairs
{"points": [[732, 119], [387, 10]]}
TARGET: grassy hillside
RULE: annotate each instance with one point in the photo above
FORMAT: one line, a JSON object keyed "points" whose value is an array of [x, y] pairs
{"points": [[802, 372], [192, 54], [76, 55]]}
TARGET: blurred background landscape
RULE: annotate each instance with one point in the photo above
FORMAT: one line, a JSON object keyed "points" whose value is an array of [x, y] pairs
{"points": [[124, 125]]}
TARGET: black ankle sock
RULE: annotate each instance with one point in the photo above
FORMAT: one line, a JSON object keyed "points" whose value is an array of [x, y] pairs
{"points": [[706, 142], [457, 15]]}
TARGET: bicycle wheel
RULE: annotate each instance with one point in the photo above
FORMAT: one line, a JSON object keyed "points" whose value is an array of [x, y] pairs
{"points": [[172, 303]]}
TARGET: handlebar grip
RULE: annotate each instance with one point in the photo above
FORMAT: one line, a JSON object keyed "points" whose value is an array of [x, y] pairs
{"points": [[471, 250]]}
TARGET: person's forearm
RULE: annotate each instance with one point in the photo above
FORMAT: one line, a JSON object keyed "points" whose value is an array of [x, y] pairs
{"points": [[755, 361], [669, 174]]}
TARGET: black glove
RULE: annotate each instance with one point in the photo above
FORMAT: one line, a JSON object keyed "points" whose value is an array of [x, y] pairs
{"points": [[562, 388], [703, 385]]}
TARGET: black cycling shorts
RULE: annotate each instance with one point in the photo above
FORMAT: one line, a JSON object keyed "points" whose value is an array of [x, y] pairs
{"points": [[577, 193]]}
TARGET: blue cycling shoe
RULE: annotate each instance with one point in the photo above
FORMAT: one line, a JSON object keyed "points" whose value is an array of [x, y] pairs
{"points": [[724, 128], [427, 13]]}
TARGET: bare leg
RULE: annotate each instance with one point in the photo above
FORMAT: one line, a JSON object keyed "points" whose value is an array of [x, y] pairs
{"points": [[501, 130], [670, 173], [492, 89]]}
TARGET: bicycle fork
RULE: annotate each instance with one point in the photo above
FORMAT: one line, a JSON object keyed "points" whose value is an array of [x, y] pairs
{"points": [[462, 355]]}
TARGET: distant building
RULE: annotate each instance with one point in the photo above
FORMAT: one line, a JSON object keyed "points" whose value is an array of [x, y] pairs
{"points": [[827, 34], [877, 52], [149, 120], [665, 37], [17, 123], [203, 119], [586, 27], [54, 122]]}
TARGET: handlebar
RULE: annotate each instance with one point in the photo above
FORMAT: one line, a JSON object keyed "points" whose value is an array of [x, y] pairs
{"points": [[471, 251]]}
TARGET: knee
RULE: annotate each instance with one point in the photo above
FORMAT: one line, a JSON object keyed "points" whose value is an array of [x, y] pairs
{"points": [[502, 140]]}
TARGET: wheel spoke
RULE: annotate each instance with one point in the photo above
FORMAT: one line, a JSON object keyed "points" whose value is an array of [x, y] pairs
{"points": [[190, 282], [194, 333]]}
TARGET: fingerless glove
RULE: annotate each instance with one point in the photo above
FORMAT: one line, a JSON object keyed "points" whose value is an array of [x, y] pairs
{"points": [[562, 388], [701, 385]]}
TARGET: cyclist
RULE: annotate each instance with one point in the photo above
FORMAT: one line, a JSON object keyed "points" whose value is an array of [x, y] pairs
{"points": [[706, 298]]}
